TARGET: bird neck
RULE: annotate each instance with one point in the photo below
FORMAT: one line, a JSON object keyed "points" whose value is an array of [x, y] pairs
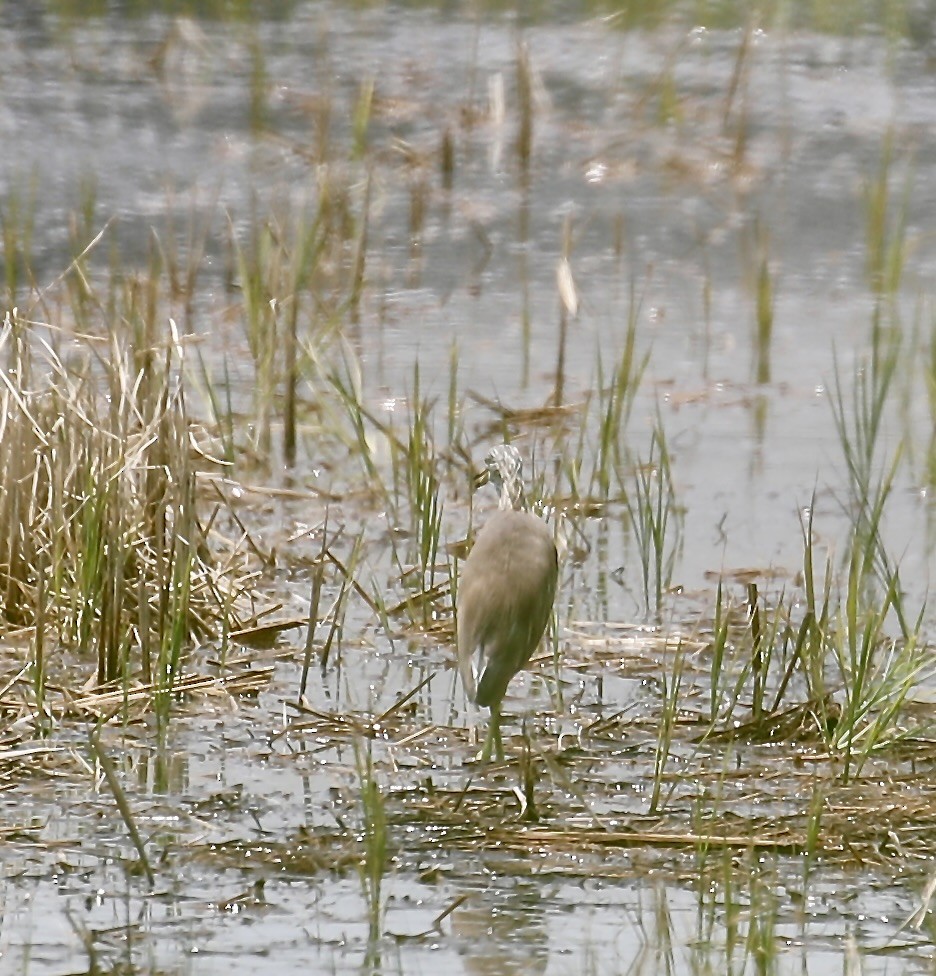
{"points": [[511, 496]]}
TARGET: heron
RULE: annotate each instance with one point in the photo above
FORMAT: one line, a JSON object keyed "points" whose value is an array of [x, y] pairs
{"points": [[505, 594]]}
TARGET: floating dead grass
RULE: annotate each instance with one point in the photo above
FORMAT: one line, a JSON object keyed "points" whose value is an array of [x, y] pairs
{"points": [[550, 416], [589, 818]]}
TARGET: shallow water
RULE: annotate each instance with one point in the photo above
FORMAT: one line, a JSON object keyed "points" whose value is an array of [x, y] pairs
{"points": [[670, 212]]}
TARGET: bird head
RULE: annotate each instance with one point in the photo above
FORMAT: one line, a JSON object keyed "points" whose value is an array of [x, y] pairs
{"points": [[504, 471]]}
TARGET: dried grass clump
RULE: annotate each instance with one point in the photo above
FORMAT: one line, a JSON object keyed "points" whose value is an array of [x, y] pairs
{"points": [[101, 547]]}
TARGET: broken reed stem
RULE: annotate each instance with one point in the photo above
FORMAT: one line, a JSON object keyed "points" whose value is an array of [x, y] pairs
{"points": [[568, 308], [524, 108], [318, 578], [757, 652], [120, 798]]}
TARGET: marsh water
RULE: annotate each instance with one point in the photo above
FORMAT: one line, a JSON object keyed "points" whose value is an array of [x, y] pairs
{"points": [[684, 161]]}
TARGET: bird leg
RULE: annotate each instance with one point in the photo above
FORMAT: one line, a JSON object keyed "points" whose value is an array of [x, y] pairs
{"points": [[493, 738]]}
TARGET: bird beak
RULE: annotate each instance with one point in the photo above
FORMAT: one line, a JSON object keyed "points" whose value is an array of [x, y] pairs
{"points": [[480, 480]]}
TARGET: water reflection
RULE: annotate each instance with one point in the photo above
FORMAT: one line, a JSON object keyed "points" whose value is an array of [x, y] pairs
{"points": [[503, 933]]}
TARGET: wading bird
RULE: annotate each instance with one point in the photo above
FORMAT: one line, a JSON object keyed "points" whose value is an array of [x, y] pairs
{"points": [[505, 594]]}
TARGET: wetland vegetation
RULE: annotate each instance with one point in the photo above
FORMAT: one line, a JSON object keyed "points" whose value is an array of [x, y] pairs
{"points": [[272, 286]]}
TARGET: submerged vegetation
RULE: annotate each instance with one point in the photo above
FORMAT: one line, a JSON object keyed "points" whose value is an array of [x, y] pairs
{"points": [[231, 472]]}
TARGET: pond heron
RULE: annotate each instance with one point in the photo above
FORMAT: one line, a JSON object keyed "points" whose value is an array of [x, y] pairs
{"points": [[505, 594]]}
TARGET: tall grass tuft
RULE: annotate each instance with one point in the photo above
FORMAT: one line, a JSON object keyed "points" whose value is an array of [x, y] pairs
{"points": [[656, 520], [101, 546], [764, 311], [423, 487], [299, 272], [615, 403], [859, 422], [878, 671], [373, 864], [672, 685], [885, 226]]}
